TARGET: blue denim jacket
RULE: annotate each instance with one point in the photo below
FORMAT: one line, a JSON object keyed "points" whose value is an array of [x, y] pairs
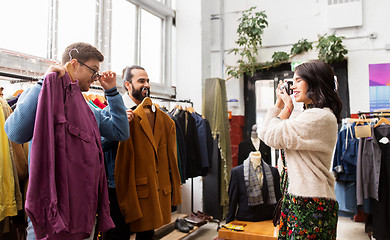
{"points": [[110, 148], [346, 154]]}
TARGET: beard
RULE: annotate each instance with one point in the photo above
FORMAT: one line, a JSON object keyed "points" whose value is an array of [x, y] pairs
{"points": [[137, 93]]}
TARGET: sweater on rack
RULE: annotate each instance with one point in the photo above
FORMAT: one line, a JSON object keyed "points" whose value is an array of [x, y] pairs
{"points": [[309, 140]]}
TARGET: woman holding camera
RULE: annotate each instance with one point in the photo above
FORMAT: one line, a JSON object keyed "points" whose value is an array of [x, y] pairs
{"points": [[310, 209]]}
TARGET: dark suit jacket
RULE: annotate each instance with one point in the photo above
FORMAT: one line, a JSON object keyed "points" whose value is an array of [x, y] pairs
{"points": [[246, 146], [205, 142], [238, 197], [188, 125]]}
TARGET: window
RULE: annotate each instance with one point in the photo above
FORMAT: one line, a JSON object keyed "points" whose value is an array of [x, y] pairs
{"points": [[151, 45], [123, 35], [22, 29], [76, 23]]}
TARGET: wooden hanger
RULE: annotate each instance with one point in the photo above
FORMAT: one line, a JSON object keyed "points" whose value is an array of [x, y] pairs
{"points": [[17, 93], [69, 69], [190, 110], [382, 120], [101, 98]]}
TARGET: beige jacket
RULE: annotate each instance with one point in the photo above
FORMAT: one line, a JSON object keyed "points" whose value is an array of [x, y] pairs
{"points": [[309, 140]]}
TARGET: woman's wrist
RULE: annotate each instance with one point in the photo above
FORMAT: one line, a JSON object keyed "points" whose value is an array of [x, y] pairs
{"points": [[289, 107], [279, 104]]}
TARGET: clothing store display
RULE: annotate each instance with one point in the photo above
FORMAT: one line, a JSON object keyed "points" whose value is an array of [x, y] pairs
{"points": [[66, 158], [146, 173], [214, 109], [373, 178], [238, 195], [246, 146]]}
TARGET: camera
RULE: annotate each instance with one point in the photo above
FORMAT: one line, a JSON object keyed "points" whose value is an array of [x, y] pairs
{"points": [[287, 85]]}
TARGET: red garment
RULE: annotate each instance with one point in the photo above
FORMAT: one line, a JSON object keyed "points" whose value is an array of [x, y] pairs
{"points": [[98, 103]]}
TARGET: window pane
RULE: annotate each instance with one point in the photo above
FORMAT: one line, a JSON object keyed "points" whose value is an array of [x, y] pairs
{"points": [[23, 26], [123, 35], [151, 45], [76, 23]]}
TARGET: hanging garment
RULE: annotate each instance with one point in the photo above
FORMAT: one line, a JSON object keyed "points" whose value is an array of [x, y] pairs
{"points": [[215, 110], [98, 103], [188, 125], [345, 156], [67, 185], [246, 146], [7, 188], [18, 159], [381, 208], [181, 148], [238, 196], [146, 172], [205, 140]]}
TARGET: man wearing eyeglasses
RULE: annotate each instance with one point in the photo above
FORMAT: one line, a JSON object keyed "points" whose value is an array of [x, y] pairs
{"points": [[112, 121]]}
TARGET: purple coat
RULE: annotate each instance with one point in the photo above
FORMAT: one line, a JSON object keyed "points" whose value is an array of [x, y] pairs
{"points": [[67, 185]]}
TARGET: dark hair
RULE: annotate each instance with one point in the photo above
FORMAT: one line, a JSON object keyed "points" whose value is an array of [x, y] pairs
{"points": [[127, 75], [84, 53], [322, 89]]}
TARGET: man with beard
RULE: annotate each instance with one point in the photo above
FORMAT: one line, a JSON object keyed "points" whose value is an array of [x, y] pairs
{"points": [[136, 82]]}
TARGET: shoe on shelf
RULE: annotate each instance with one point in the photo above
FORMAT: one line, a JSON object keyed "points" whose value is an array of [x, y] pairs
{"points": [[182, 225], [204, 216], [190, 225]]}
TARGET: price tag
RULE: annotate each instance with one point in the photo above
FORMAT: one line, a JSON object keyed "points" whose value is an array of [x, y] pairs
{"points": [[384, 140]]}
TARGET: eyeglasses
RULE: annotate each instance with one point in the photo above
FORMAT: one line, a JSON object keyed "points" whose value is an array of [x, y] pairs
{"points": [[95, 73]]}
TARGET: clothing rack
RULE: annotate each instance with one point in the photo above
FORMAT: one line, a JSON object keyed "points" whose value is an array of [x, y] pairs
{"points": [[23, 78], [374, 114], [173, 100]]}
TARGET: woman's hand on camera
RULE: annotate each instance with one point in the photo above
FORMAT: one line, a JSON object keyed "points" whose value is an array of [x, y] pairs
{"points": [[282, 98]]}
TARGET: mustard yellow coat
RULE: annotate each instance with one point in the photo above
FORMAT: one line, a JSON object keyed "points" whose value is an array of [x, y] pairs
{"points": [[146, 172]]}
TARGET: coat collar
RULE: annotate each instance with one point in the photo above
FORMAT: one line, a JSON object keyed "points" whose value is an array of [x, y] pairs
{"points": [[153, 136]]}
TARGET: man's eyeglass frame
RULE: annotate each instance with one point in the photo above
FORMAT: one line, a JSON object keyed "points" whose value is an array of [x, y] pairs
{"points": [[95, 73]]}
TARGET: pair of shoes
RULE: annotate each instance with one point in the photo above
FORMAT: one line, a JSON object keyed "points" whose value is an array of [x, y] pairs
{"points": [[183, 226], [193, 219], [204, 216]]}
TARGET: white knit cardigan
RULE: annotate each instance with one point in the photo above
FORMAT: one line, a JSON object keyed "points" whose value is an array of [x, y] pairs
{"points": [[309, 140]]}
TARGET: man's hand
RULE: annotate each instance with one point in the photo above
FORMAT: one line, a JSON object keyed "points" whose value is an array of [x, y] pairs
{"points": [[130, 114], [56, 68], [108, 80]]}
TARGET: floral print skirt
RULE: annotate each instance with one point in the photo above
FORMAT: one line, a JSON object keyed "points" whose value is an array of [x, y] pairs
{"points": [[308, 218]]}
